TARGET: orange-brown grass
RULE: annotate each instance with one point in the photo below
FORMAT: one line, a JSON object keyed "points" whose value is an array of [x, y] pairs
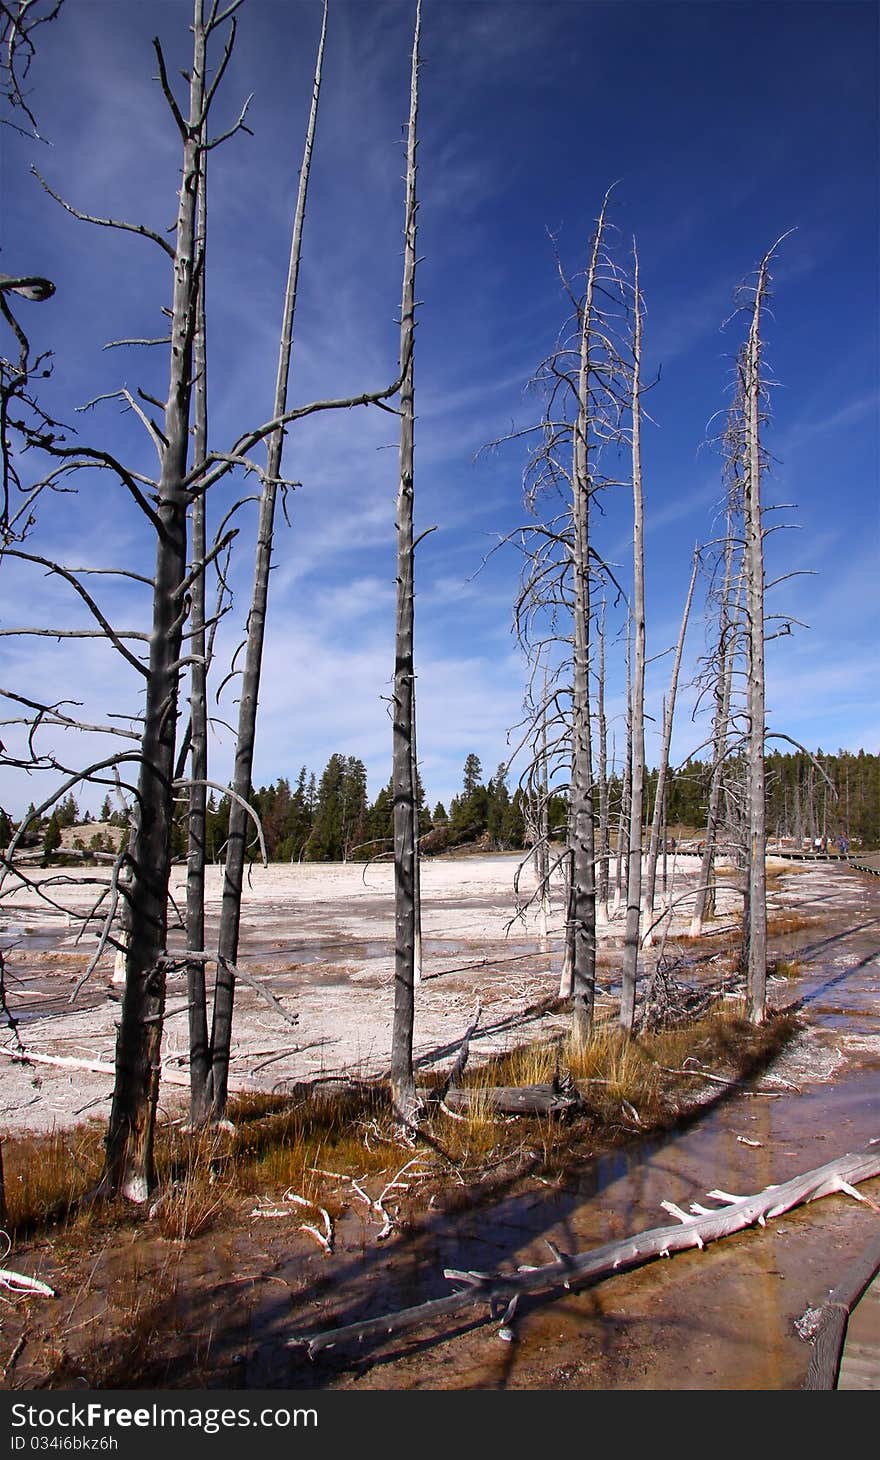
{"points": [[140, 1282], [45, 1177], [304, 1144], [787, 968], [628, 1085], [790, 923]]}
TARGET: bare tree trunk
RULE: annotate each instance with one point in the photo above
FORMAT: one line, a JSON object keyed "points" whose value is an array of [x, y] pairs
{"points": [[566, 976], [602, 731], [623, 812], [233, 877], [663, 771], [403, 1089], [704, 905], [417, 859], [629, 968], [754, 565], [199, 1053], [664, 837], [581, 915], [129, 1168], [542, 857]]}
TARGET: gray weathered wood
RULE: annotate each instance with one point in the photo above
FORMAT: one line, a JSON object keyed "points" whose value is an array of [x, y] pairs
{"points": [[663, 771], [567, 1272], [199, 1053], [233, 874], [403, 1089], [129, 1167], [581, 911], [756, 901], [629, 964], [824, 1366], [515, 1099]]}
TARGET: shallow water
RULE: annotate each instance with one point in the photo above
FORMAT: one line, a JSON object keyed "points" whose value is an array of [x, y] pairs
{"points": [[723, 1318]]}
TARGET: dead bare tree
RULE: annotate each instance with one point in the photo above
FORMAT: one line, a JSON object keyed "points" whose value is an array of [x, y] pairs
{"points": [[663, 770], [754, 398], [721, 671], [745, 726], [144, 895], [584, 382], [129, 1160], [540, 817], [403, 1089], [693, 1230], [629, 967], [214, 1095], [20, 21], [604, 840]]}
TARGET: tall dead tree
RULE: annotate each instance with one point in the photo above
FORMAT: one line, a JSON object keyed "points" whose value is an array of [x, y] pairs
{"points": [[22, 422], [721, 671], [236, 848], [129, 1155], [629, 967], [20, 21], [604, 839], [665, 748], [129, 1164], [622, 858], [403, 1090], [584, 383], [754, 395]]}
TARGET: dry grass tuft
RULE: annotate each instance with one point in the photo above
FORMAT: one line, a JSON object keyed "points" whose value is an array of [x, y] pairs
{"points": [[779, 923], [192, 1188], [305, 1142], [46, 1177], [787, 968]]}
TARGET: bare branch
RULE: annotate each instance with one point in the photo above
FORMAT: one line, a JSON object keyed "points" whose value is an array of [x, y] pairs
{"points": [[105, 222]]}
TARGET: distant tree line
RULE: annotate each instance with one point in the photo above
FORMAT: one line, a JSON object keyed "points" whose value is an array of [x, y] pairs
{"points": [[332, 819], [807, 795], [825, 795]]}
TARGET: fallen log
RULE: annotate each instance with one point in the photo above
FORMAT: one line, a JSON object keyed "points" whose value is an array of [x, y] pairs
{"points": [[567, 1272], [551, 1099], [103, 1067]]}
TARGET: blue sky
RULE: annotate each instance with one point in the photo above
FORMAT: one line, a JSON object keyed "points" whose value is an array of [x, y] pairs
{"points": [[722, 124]]}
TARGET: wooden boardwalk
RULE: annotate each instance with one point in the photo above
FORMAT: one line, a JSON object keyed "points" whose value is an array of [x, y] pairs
{"points": [[860, 1362], [860, 861], [846, 1350]]}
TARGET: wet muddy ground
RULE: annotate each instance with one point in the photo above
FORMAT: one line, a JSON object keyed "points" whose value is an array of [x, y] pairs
{"points": [[719, 1319]]}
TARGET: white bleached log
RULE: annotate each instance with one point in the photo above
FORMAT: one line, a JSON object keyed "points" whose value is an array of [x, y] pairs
{"points": [[567, 1271], [18, 1282], [103, 1067]]}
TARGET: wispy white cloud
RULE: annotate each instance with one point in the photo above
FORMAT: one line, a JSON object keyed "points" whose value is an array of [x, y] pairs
{"points": [[507, 148]]}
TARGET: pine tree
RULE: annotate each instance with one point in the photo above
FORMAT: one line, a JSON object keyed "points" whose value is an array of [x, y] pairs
{"points": [[472, 776], [52, 836]]}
